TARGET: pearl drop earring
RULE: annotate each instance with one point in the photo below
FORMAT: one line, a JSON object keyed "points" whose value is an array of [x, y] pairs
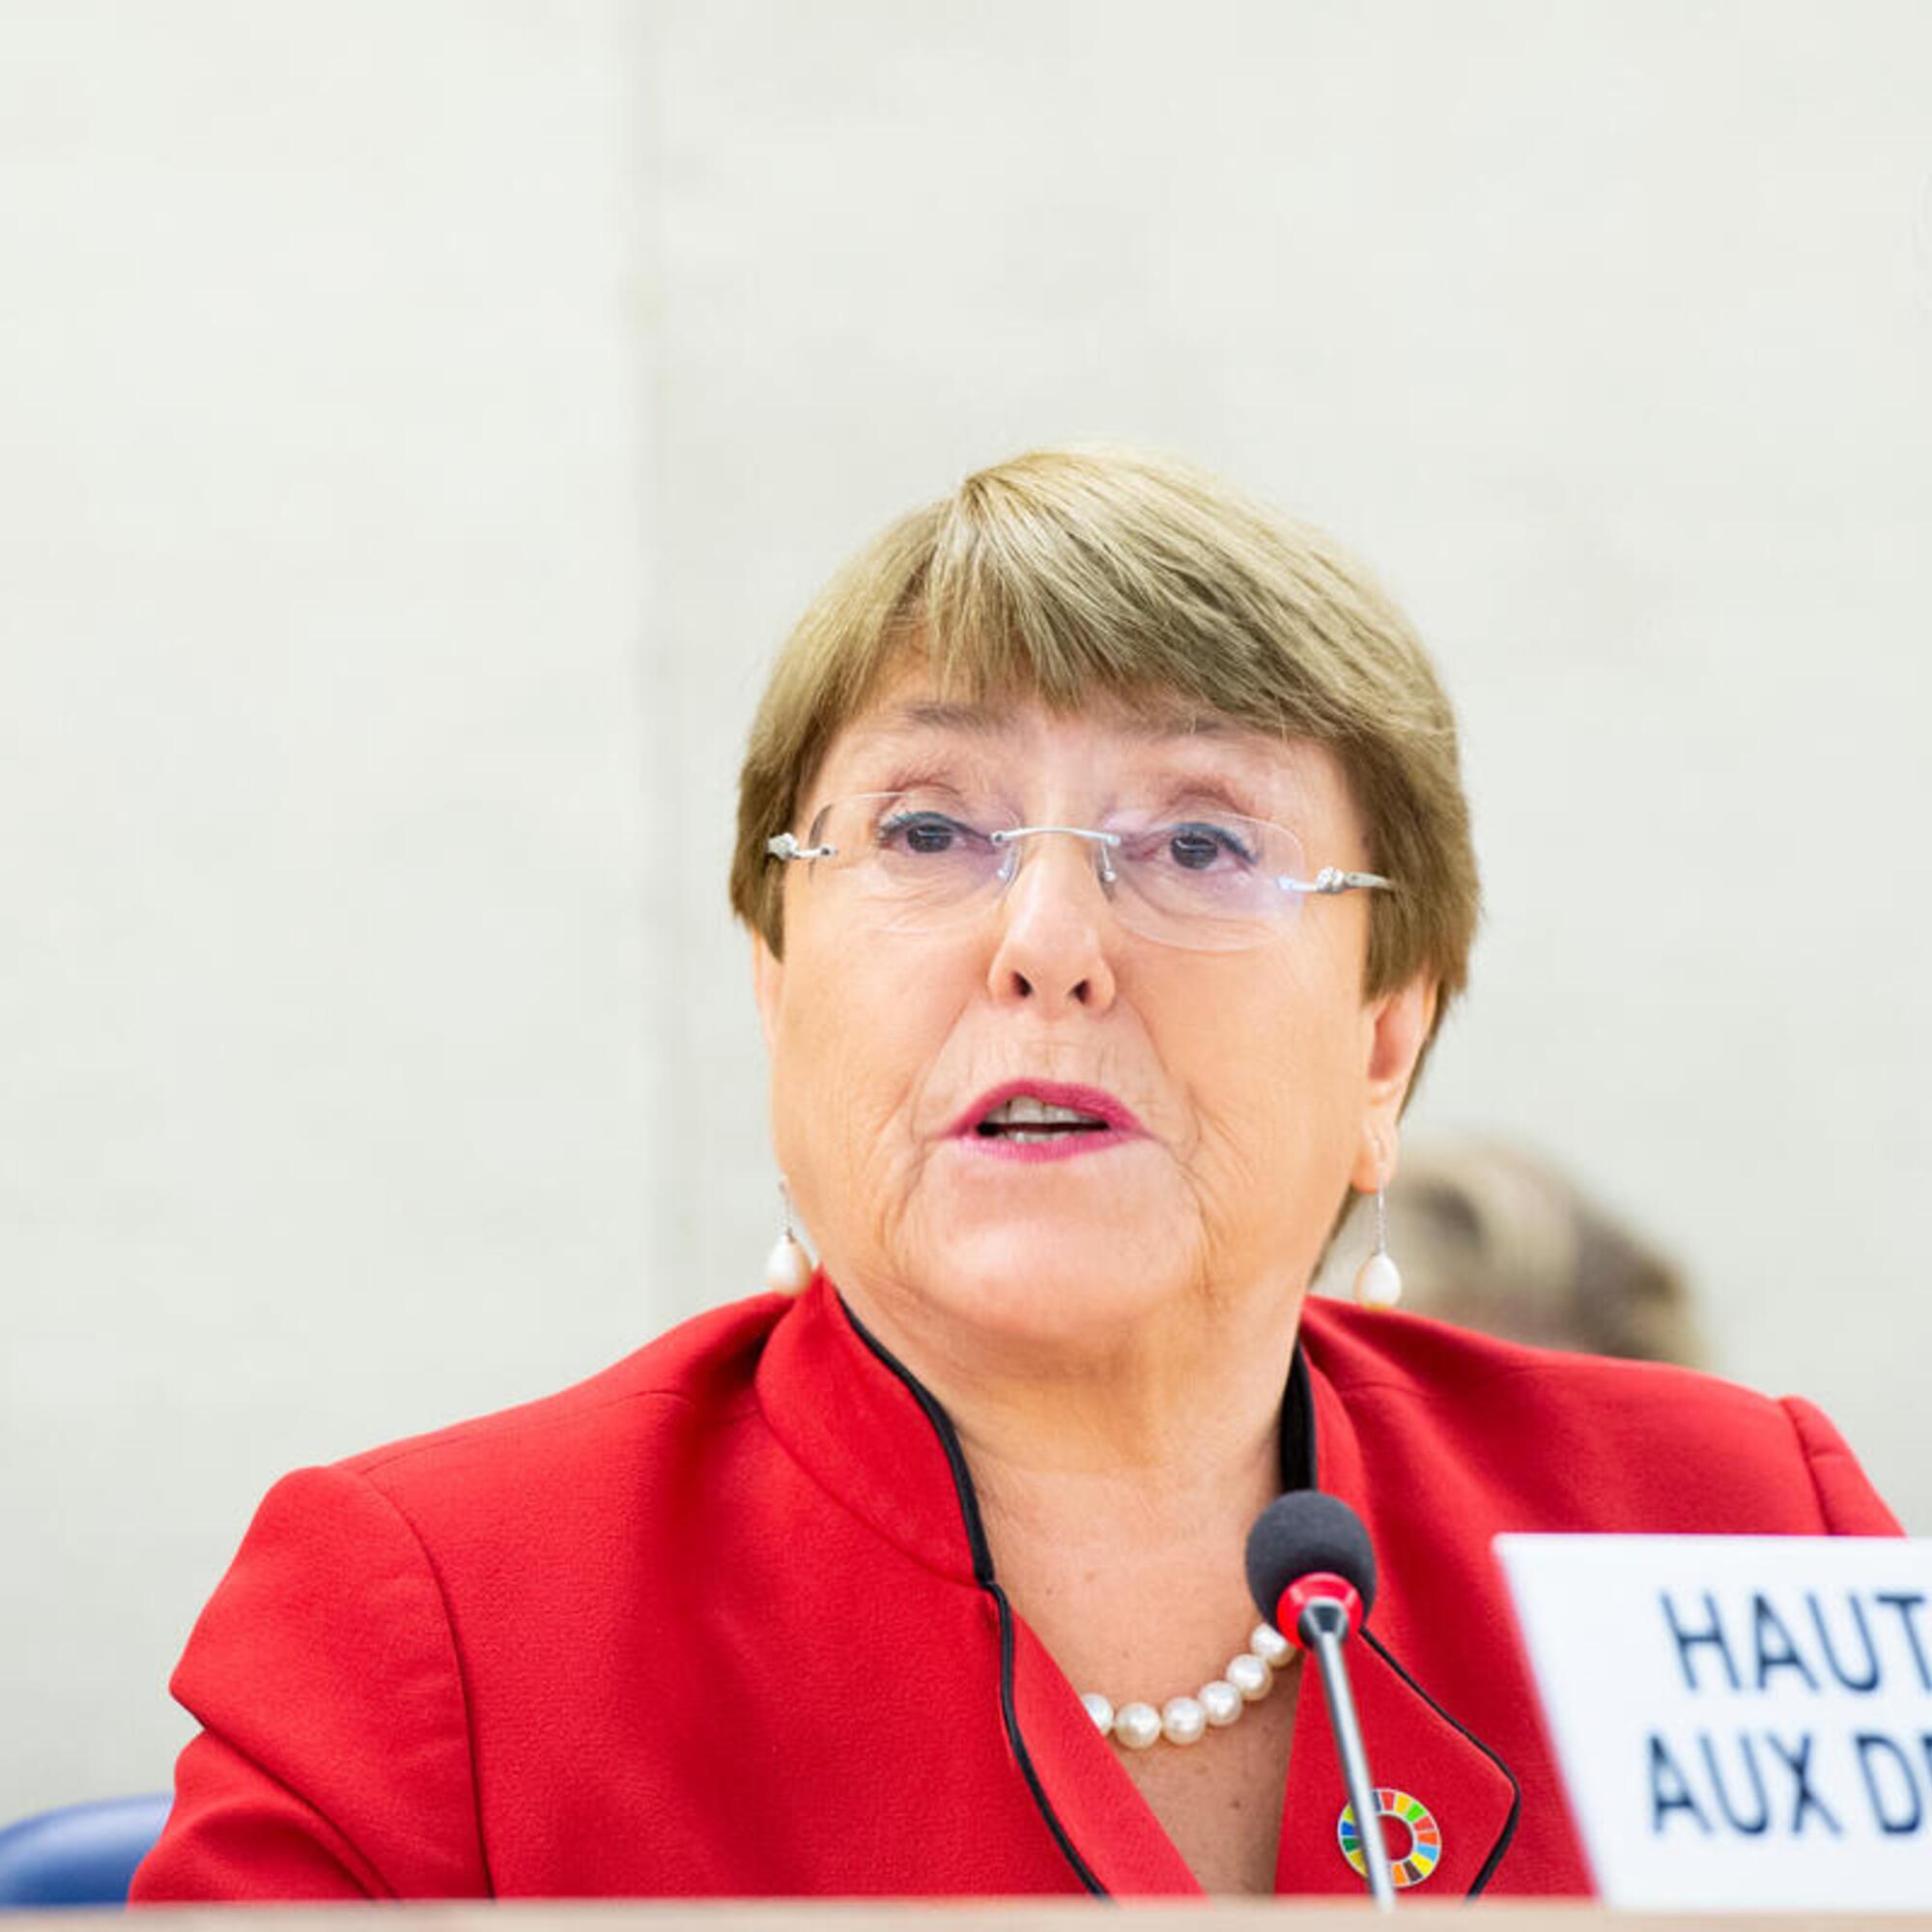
{"points": [[788, 1267], [1378, 1281]]}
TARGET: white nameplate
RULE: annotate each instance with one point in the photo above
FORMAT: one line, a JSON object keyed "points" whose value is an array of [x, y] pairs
{"points": [[1742, 1722]]}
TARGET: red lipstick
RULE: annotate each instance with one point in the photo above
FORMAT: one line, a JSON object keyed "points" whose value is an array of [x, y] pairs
{"points": [[1115, 1122]]}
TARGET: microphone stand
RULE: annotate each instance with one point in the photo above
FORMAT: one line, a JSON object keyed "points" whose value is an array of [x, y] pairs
{"points": [[1321, 1625]]}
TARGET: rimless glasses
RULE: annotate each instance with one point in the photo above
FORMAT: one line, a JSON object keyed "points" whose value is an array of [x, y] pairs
{"points": [[1210, 881]]}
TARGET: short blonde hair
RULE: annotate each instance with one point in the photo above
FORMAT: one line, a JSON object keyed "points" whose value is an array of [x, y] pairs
{"points": [[1072, 574]]}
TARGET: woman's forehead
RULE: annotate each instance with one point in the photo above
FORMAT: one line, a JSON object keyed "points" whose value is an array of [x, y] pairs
{"points": [[1121, 740], [913, 710], [912, 705], [1155, 722]]}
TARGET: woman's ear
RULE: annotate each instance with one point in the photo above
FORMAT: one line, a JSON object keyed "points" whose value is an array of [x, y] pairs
{"points": [[767, 985], [1398, 1030]]}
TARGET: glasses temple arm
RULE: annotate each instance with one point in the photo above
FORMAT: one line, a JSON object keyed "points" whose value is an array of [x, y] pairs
{"points": [[786, 846], [1332, 879]]}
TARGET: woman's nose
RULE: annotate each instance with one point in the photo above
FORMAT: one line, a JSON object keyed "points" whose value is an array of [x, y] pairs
{"points": [[1056, 929]]}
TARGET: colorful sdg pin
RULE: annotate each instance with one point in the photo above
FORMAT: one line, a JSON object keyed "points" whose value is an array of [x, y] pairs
{"points": [[1425, 1838]]}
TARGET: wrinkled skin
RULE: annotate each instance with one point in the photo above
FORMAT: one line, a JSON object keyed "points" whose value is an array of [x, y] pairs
{"points": [[1265, 1082]]}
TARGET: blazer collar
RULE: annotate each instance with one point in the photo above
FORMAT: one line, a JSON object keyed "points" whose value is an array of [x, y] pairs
{"points": [[870, 1434], [861, 1425]]}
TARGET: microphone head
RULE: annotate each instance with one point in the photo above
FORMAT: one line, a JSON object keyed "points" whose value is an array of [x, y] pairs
{"points": [[1302, 1532]]}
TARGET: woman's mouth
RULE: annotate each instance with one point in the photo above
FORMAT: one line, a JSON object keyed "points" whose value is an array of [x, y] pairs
{"points": [[1045, 1121], [1026, 1120]]}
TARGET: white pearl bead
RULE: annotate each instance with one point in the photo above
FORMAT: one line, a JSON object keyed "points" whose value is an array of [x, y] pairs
{"points": [[1182, 1720], [1100, 1710], [1221, 1701], [788, 1267], [1269, 1645], [1378, 1285], [1136, 1725], [1250, 1676]]}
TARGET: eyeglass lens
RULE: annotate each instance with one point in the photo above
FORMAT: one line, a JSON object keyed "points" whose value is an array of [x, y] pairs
{"points": [[1210, 880]]}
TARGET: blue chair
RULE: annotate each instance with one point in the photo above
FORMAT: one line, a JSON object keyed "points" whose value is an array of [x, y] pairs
{"points": [[80, 1855]]}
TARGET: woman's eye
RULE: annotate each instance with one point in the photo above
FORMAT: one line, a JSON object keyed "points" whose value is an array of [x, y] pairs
{"points": [[923, 834], [1195, 848]]}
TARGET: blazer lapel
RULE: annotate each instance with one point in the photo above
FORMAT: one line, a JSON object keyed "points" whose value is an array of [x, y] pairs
{"points": [[1451, 1806], [1096, 1802]]}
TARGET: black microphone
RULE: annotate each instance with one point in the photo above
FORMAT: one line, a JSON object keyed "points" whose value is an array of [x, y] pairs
{"points": [[1313, 1574]]}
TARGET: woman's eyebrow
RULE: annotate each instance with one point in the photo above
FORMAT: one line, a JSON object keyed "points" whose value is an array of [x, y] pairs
{"points": [[936, 714], [1213, 754], [985, 720]]}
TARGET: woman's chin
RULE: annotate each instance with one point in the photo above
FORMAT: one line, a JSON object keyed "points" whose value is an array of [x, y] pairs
{"points": [[1055, 1285]]}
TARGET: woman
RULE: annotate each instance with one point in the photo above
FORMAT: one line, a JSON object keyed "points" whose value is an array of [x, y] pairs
{"points": [[1108, 873]]}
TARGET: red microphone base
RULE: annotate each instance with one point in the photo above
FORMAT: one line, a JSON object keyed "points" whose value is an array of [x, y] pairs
{"points": [[1318, 1585]]}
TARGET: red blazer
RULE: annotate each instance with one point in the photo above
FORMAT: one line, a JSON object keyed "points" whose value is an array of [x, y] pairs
{"points": [[722, 1620]]}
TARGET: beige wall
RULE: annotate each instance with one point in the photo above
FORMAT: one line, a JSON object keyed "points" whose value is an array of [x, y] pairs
{"points": [[417, 425], [328, 962]]}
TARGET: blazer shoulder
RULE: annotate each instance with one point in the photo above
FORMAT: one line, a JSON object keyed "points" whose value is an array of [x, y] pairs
{"points": [[335, 1669], [1633, 1444], [695, 1375], [1359, 1349]]}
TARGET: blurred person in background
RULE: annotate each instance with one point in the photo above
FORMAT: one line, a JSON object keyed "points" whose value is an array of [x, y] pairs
{"points": [[1104, 855], [1499, 1239]]}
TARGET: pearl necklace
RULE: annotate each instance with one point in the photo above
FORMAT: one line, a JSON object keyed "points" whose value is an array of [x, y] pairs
{"points": [[1184, 1720]]}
